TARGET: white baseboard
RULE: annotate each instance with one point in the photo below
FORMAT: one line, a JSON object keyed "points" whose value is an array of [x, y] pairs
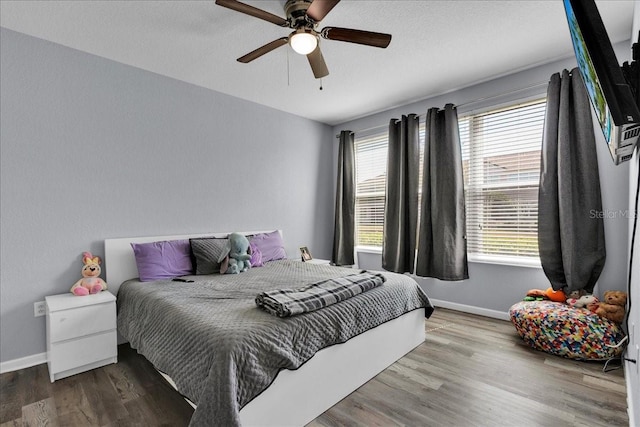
{"points": [[471, 309], [23, 362]]}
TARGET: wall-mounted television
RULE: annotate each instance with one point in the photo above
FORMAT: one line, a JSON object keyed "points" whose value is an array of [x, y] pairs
{"points": [[610, 93]]}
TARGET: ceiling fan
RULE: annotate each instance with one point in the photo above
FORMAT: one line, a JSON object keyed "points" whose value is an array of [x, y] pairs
{"points": [[303, 17]]}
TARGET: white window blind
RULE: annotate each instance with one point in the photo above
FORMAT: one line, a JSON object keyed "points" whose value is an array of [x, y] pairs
{"points": [[371, 174], [371, 180], [501, 163]]}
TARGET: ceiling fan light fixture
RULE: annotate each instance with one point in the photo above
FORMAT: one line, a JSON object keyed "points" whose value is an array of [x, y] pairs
{"points": [[303, 41]]}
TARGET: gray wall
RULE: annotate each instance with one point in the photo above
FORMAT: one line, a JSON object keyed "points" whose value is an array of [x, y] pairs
{"points": [[491, 288], [93, 149]]}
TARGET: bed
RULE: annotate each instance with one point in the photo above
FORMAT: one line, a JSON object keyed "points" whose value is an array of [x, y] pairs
{"points": [[201, 336]]}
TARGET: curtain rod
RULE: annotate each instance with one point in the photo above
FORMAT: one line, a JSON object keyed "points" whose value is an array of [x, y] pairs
{"points": [[500, 95], [350, 132], [533, 86], [365, 130]]}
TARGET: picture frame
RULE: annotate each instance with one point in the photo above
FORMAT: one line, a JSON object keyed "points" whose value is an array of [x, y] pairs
{"points": [[305, 255]]}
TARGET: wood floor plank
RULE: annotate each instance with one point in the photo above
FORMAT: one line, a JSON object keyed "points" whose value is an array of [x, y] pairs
{"points": [[141, 410], [72, 405], [470, 371], [410, 372], [349, 409], [10, 401], [103, 397], [41, 413], [17, 390], [385, 398], [604, 384], [124, 381]]}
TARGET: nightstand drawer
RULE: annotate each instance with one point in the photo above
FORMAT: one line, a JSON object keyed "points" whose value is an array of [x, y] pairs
{"points": [[83, 351], [78, 322]]}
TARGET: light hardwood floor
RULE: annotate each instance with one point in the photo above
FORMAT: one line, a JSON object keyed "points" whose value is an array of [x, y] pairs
{"points": [[471, 371]]}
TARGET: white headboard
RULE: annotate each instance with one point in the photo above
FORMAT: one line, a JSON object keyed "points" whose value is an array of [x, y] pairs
{"points": [[120, 263]]}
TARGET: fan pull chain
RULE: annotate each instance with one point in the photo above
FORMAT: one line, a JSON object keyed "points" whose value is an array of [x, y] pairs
{"points": [[288, 81], [320, 84]]}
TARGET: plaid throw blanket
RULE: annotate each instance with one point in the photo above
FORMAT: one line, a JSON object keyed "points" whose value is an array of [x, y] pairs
{"points": [[289, 302]]}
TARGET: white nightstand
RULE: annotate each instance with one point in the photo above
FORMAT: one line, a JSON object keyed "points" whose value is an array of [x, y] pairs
{"points": [[81, 333]]}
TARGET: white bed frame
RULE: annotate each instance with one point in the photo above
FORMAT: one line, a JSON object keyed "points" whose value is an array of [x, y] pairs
{"points": [[297, 397]]}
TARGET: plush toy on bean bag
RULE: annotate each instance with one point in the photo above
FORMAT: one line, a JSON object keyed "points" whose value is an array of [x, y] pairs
{"points": [[90, 283], [585, 301], [235, 258], [548, 294], [573, 296], [613, 306]]}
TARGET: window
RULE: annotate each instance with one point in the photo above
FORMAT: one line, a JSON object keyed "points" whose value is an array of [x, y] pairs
{"points": [[501, 163], [501, 166], [371, 177], [371, 181]]}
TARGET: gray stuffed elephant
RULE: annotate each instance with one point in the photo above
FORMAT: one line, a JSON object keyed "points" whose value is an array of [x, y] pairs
{"points": [[237, 254]]}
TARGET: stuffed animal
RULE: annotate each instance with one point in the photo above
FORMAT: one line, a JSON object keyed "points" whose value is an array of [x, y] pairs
{"points": [[235, 258], [593, 307], [612, 306], [90, 283], [576, 294], [582, 302], [535, 295], [557, 296], [549, 293]]}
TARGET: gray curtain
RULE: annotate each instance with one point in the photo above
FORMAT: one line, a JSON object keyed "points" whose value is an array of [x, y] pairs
{"points": [[344, 227], [401, 200], [570, 225], [442, 242]]}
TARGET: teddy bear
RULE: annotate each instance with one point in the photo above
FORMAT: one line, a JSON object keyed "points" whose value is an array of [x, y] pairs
{"points": [[612, 306], [90, 283], [235, 258]]}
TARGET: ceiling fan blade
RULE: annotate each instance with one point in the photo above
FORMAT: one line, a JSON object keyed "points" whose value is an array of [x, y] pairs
{"points": [[318, 66], [356, 36], [253, 11], [319, 9], [263, 49]]}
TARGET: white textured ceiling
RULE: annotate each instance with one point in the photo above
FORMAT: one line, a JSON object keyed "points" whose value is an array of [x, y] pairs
{"points": [[437, 46]]}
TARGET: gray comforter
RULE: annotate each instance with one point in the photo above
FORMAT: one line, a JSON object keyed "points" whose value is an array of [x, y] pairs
{"points": [[222, 351]]}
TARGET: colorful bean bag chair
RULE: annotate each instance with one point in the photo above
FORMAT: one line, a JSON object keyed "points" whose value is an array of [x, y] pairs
{"points": [[575, 333]]}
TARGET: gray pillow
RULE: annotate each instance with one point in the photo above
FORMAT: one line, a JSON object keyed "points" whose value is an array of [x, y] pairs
{"points": [[206, 252]]}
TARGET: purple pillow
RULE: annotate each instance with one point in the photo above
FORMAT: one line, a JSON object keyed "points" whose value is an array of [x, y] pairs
{"points": [[270, 246], [162, 260], [256, 256]]}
